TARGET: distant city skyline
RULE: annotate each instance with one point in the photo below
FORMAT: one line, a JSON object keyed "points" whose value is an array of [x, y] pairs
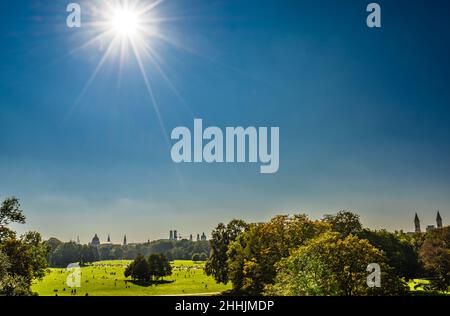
{"points": [[424, 224]]}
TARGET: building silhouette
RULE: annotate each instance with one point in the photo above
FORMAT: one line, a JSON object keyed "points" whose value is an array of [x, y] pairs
{"points": [[428, 227], [95, 241], [417, 224], [439, 220], [173, 235]]}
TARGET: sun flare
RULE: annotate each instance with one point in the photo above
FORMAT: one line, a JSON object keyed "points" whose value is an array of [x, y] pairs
{"points": [[129, 30], [125, 22]]}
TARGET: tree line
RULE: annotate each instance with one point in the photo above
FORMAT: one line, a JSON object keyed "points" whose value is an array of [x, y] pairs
{"points": [[63, 253], [294, 255]]}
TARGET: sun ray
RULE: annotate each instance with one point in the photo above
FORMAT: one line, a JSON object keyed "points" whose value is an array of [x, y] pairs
{"points": [[97, 38], [150, 90], [152, 57], [130, 29], [150, 7], [129, 26], [94, 74]]}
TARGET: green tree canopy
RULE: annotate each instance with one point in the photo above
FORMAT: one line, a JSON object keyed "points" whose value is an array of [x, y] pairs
{"points": [[196, 257], [24, 258], [140, 269], [156, 266], [11, 285], [400, 253], [435, 256], [253, 255], [10, 212], [222, 236], [330, 265], [344, 222]]}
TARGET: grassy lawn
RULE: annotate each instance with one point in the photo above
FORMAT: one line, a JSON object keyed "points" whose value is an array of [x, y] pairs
{"points": [[106, 278], [421, 287]]}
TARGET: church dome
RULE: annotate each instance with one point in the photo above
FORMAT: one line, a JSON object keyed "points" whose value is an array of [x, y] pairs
{"points": [[95, 241]]}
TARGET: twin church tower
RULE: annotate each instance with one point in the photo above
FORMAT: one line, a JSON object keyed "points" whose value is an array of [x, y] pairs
{"points": [[173, 235], [429, 227]]}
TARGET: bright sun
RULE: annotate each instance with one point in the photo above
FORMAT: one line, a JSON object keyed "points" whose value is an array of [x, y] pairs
{"points": [[125, 22], [129, 29]]}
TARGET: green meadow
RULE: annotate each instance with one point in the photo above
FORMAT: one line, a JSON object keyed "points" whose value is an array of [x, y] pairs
{"points": [[106, 278]]}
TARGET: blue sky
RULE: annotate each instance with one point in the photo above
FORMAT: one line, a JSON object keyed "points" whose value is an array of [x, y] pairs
{"points": [[363, 114]]}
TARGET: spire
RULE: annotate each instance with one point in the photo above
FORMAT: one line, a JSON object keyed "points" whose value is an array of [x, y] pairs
{"points": [[125, 240], [109, 238], [439, 220], [417, 224]]}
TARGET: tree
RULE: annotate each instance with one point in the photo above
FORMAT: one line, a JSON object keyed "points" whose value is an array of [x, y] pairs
{"points": [[400, 253], [10, 285], [155, 266], [129, 270], [243, 256], [67, 253], [253, 255], [159, 266], [344, 222], [139, 269], [164, 267], [332, 265], [87, 254], [24, 258], [27, 256], [222, 236], [10, 212], [118, 253], [435, 256], [196, 257], [104, 252]]}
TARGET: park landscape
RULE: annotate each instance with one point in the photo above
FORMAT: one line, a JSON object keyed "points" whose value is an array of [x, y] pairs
{"points": [[289, 255], [140, 116], [106, 278]]}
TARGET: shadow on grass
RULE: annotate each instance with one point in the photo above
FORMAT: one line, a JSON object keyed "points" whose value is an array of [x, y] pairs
{"points": [[428, 293], [150, 283]]}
